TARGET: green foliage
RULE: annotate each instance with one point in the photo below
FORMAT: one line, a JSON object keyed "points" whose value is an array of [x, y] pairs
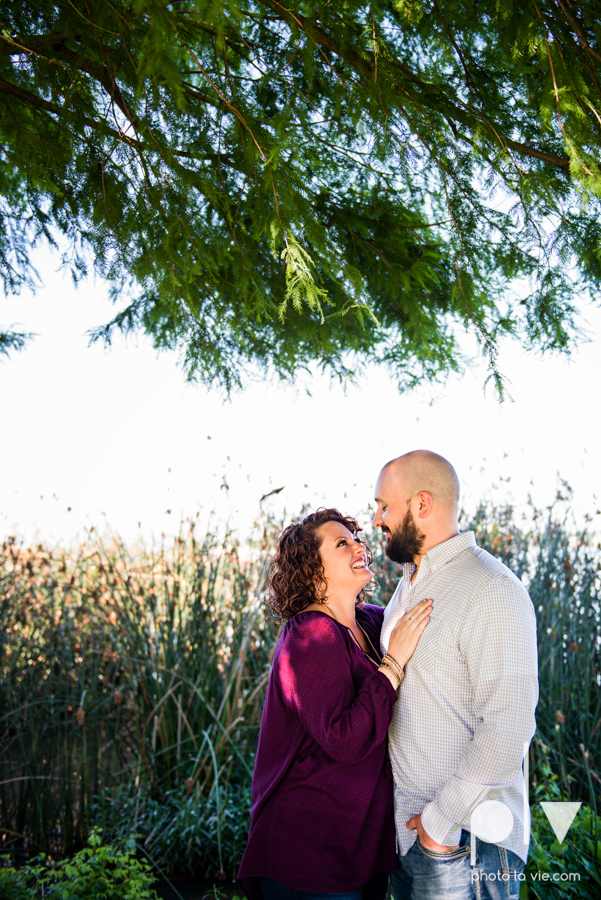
{"points": [[187, 832], [578, 856], [97, 872], [12, 340], [13, 883], [275, 186]]}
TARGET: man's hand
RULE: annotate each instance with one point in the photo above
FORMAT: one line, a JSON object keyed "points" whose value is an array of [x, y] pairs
{"points": [[429, 844]]}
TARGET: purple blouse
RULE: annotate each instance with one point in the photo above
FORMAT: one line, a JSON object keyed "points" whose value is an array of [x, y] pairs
{"points": [[322, 816]]}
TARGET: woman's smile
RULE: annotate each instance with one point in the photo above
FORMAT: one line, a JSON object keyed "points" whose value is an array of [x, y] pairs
{"points": [[360, 563]]}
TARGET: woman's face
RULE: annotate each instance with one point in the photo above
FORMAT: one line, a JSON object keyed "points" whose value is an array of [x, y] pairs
{"points": [[344, 559]]}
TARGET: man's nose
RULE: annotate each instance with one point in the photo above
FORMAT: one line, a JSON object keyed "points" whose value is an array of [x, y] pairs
{"points": [[377, 520]]}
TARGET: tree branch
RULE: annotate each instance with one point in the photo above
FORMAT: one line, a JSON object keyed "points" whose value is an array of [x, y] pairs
{"points": [[366, 70], [12, 90]]}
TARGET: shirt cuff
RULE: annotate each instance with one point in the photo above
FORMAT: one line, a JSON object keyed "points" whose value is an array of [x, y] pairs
{"points": [[446, 833]]}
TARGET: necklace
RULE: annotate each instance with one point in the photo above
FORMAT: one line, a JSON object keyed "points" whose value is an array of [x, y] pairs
{"points": [[365, 653], [365, 635]]}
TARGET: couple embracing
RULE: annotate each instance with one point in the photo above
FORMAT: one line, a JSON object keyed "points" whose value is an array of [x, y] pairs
{"points": [[384, 730]]}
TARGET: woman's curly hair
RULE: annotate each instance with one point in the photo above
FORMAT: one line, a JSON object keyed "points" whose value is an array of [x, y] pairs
{"points": [[297, 576]]}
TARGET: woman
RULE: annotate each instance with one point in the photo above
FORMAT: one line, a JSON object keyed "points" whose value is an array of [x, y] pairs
{"points": [[322, 817]]}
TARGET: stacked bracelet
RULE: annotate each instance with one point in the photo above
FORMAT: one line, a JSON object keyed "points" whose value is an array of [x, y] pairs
{"points": [[384, 665], [394, 665]]}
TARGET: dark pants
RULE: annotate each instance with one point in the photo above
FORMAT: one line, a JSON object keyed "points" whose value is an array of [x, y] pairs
{"points": [[375, 889]]}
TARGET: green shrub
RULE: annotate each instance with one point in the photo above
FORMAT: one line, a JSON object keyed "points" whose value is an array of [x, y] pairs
{"points": [[577, 858], [13, 883], [98, 872], [182, 833]]}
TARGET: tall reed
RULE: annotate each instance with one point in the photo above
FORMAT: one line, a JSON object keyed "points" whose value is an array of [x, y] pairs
{"points": [[130, 678]]}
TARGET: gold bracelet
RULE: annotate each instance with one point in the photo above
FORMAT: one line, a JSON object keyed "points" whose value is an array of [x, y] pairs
{"points": [[390, 656], [393, 664], [384, 665], [398, 672]]}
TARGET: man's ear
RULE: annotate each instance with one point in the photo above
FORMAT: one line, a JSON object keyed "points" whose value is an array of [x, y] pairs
{"points": [[425, 504]]}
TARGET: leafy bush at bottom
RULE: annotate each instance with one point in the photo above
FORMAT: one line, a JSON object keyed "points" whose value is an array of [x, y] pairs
{"points": [[573, 868], [98, 872]]}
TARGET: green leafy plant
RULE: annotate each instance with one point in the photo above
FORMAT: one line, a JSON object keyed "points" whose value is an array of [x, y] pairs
{"points": [[185, 833], [133, 678], [13, 882], [572, 867], [97, 872]]}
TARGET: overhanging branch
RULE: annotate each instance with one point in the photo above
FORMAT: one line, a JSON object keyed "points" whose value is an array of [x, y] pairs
{"points": [[364, 68]]}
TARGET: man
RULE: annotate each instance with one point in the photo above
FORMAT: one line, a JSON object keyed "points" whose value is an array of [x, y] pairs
{"points": [[466, 707]]}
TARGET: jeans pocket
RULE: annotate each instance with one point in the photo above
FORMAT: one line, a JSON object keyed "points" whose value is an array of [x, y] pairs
{"points": [[512, 867], [448, 855]]}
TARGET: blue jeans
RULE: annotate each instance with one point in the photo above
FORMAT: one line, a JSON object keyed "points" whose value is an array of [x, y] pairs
{"points": [[375, 889], [425, 875]]}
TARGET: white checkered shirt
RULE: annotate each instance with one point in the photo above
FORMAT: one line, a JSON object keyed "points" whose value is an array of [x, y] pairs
{"points": [[466, 706]]}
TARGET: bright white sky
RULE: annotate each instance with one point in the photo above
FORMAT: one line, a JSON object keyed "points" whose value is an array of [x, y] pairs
{"points": [[118, 436]]}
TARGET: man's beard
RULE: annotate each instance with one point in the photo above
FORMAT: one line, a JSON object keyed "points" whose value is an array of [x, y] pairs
{"points": [[405, 542]]}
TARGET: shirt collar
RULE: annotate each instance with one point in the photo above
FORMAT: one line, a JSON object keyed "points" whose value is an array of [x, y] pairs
{"points": [[441, 554]]}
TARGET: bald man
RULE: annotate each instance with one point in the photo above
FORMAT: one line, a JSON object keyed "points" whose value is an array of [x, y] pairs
{"points": [[465, 714]]}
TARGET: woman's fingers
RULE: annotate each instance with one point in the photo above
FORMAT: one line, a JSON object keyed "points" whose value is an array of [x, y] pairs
{"points": [[418, 618], [420, 625], [420, 613], [408, 630], [417, 614], [416, 624]]}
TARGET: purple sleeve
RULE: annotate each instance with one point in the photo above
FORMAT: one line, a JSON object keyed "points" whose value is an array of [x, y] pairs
{"points": [[316, 679]]}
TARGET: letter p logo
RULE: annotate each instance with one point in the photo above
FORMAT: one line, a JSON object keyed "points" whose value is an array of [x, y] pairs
{"points": [[492, 822]]}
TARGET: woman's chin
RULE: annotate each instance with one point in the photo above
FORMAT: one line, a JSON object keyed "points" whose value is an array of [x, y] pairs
{"points": [[364, 576]]}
